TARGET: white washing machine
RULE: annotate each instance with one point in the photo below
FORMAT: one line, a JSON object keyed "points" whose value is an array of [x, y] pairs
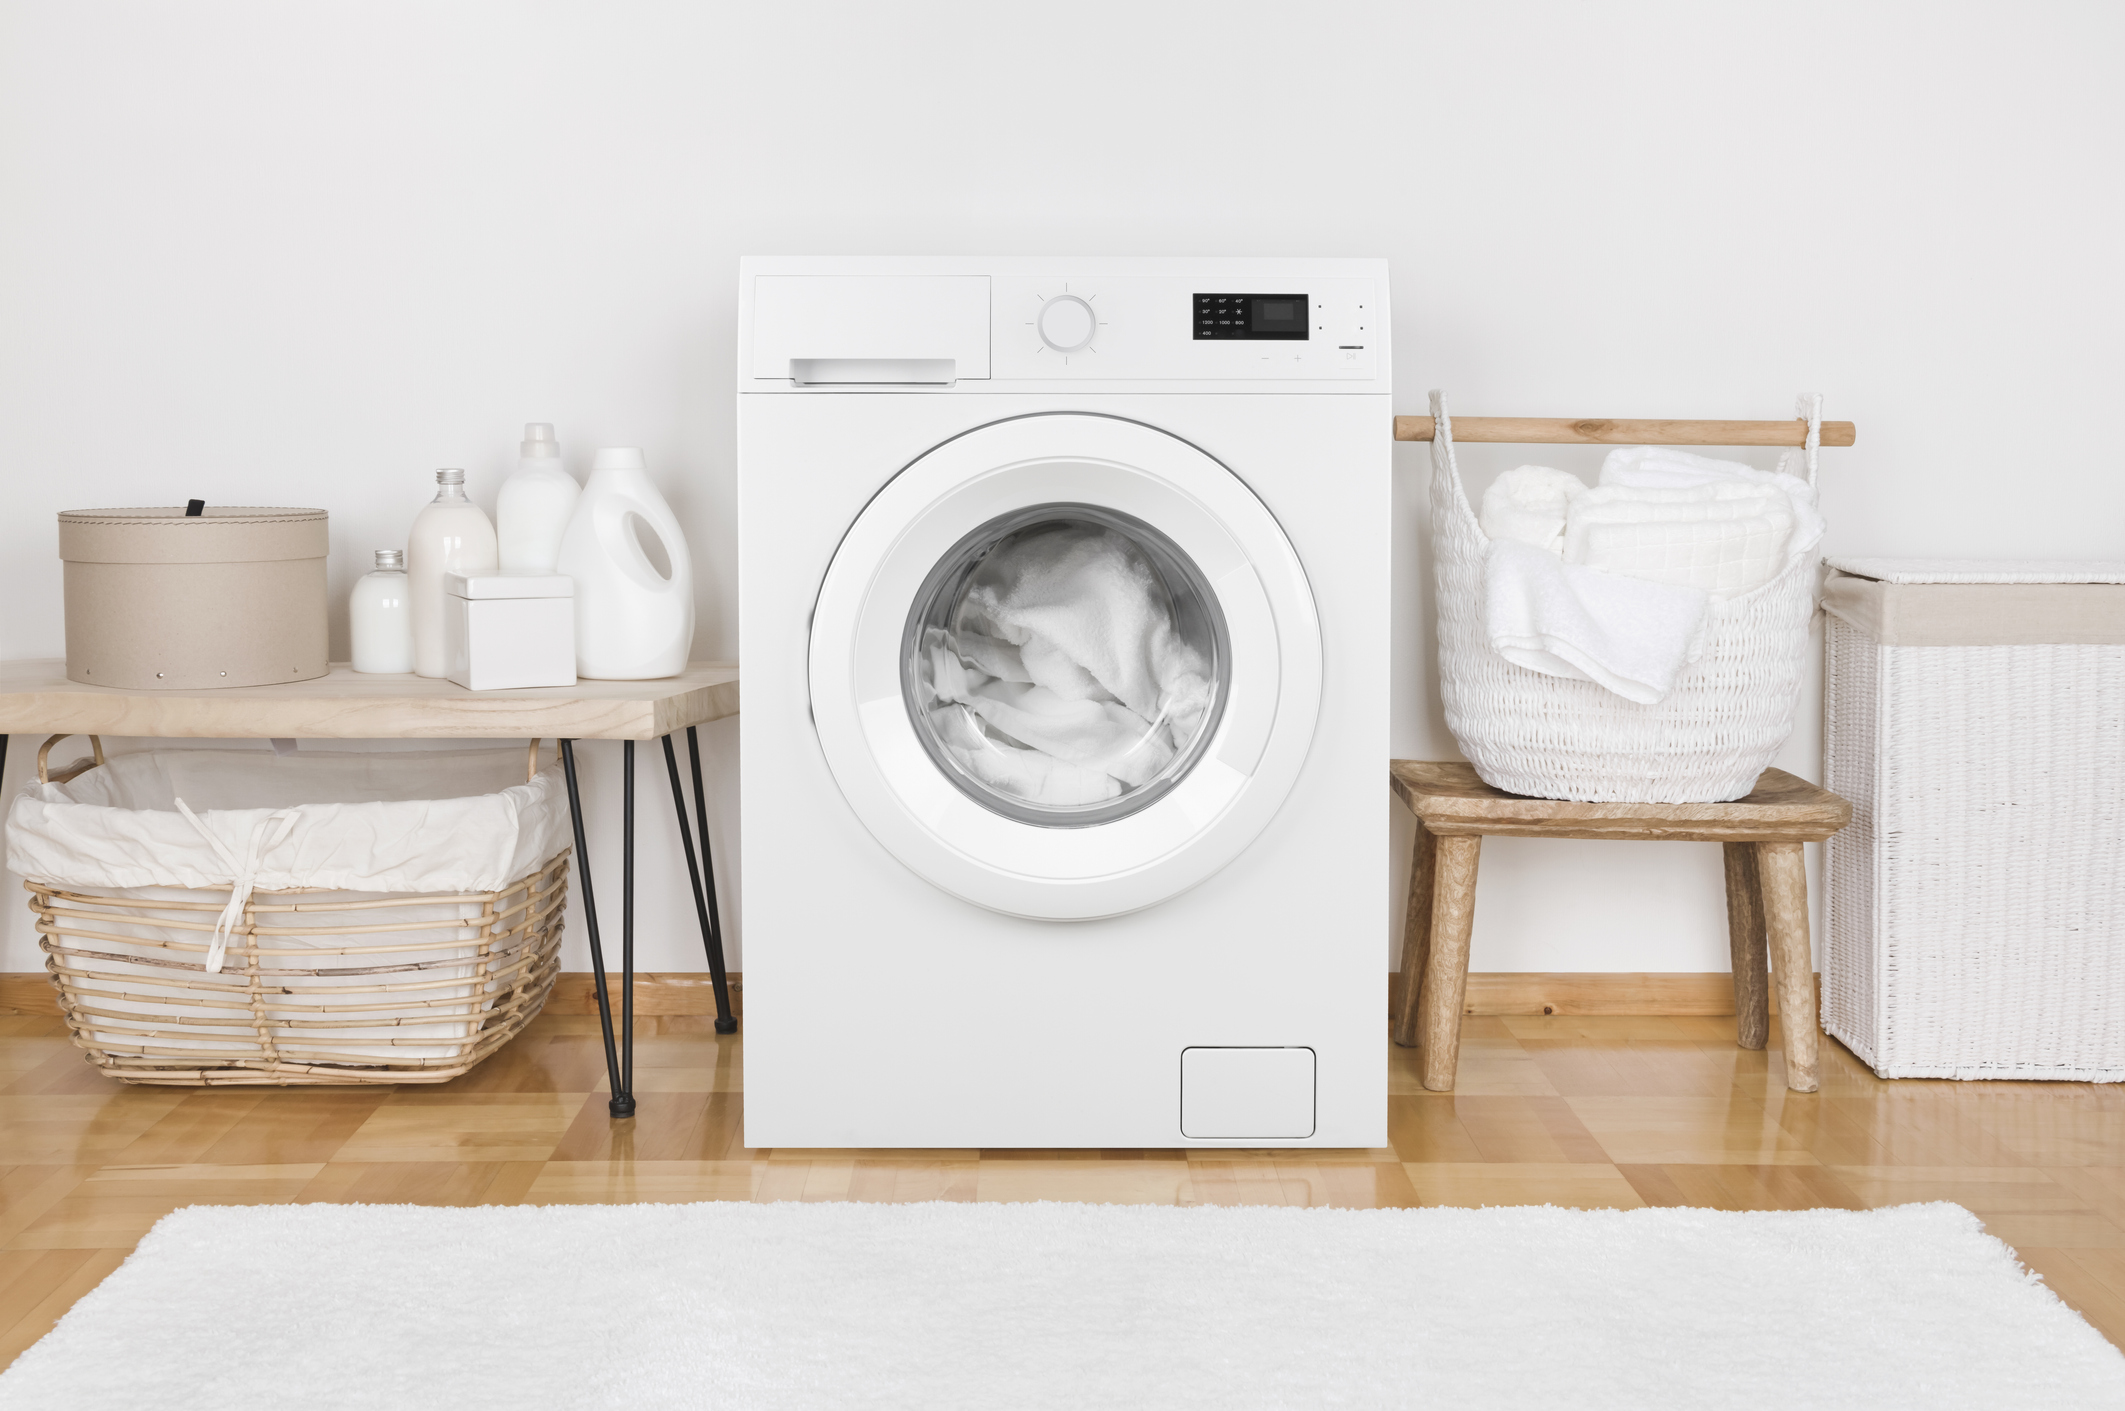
{"points": [[1064, 601]]}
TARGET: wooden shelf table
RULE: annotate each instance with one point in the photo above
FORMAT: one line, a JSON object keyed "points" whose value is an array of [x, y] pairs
{"points": [[36, 698], [1767, 894]]}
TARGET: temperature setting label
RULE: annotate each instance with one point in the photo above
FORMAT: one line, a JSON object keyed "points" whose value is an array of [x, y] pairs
{"points": [[1269, 316]]}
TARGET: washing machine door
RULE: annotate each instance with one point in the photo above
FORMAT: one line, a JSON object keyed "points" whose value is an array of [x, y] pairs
{"points": [[1065, 666]]}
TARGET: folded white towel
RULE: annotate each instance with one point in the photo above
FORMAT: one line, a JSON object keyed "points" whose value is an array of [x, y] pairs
{"points": [[1616, 584], [1677, 517], [1724, 537], [1530, 504], [1562, 619], [1665, 468]]}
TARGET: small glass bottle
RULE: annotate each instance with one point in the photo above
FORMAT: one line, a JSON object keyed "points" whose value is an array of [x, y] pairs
{"points": [[380, 613]]}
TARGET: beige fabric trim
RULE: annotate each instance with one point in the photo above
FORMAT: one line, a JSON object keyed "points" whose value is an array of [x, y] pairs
{"points": [[1983, 570], [1979, 614]]}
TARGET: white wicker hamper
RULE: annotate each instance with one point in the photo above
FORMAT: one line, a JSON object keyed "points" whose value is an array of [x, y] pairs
{"points": [[1553, 738], [1974, 715]]}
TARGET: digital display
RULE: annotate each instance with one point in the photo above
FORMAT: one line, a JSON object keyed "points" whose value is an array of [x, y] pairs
{"points": [[1272, 316]]}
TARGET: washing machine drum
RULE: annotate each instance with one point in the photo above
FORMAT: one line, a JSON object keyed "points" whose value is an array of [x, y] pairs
{"points": [[1065, 666]]}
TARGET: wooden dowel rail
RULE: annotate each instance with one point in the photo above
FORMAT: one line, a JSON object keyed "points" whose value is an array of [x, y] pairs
{"points": [[1601, 431]]}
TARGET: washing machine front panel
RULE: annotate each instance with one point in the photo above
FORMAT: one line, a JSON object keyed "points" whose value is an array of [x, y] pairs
{"points": [[1241, 676]]}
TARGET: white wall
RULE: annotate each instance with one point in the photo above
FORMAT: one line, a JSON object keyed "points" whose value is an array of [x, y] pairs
{"points": [[305, 254]]}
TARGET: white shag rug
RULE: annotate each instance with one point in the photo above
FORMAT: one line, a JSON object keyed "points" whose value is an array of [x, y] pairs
{"points": [[1046, 1305]]}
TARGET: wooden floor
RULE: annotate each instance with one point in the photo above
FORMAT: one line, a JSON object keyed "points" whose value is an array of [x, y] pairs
{"points": [[1584, 1112]]}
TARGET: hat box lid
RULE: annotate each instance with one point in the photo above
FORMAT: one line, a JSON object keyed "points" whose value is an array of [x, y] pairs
{"points": [[221, 534]]}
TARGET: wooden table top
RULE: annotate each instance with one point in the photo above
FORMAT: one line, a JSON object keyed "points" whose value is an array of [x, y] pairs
{"points": [[36, 698], [1450, 799]]}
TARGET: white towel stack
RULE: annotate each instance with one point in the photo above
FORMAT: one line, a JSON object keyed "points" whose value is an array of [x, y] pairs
{"points": [[1632, 568]]}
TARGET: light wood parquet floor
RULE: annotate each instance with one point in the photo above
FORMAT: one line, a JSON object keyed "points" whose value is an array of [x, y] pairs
{"points": [[1572, 1111]]}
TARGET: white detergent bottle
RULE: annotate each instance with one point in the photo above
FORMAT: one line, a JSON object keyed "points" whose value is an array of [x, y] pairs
{"points": [[452, 535], [535, 505], [634, 580]]}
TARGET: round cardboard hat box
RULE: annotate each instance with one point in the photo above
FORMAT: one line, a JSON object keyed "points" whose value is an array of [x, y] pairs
{"points": [[162, 599]]}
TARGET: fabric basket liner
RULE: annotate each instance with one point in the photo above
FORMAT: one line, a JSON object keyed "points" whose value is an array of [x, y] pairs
{"points": [[334, 827], [436, 822]]}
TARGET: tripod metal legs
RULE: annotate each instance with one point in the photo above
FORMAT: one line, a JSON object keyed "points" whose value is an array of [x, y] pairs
{"points": [[700, 870]]}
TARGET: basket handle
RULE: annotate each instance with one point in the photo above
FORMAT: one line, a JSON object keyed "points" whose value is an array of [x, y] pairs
{"points": [[1811, 411], [73, 771], [531, 763], [1446, 470]]}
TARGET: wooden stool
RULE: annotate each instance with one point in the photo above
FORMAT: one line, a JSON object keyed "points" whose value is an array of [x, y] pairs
{"points": [[1767, 891]]}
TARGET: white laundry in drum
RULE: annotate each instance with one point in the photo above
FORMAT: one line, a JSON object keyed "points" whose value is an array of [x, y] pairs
{"points": [[1064, 677]]}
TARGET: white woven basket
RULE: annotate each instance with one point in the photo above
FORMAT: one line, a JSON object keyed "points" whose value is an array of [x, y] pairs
{"points": [[1553, 738], [1976, 907]]}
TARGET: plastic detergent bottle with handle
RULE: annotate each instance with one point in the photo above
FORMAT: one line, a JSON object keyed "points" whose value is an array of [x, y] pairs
{"points": [[634, 580], [452, 535], [535, 505]]}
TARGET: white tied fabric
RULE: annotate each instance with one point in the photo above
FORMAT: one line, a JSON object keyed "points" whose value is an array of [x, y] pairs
{"points": [[268, 833], [1064, 679]]}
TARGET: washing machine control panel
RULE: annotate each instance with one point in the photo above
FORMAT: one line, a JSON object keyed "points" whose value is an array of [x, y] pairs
{"points": [[1158, 328], [1252, 316]]}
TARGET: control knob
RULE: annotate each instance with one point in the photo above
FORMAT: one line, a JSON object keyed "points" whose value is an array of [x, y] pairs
{"points": [[1067, 324]]}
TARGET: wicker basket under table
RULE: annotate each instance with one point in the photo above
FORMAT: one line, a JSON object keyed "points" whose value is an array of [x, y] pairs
{"points": [[372, 1002]]}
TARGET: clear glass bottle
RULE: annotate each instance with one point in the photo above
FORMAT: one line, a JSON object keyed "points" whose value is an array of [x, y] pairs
{"points": [[380, 615], [452, 535]]}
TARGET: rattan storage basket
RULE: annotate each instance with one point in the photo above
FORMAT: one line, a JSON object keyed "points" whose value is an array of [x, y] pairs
{"points": [[321, 917], [316, 987]]}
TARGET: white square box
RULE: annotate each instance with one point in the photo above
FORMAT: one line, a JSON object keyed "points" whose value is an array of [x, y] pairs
{"points": [[507, 631]]}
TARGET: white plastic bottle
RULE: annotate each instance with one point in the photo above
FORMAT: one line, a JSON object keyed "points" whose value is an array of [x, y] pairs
{"points": [[633, 621], [533, 510], [380, 614], [452, 535]]}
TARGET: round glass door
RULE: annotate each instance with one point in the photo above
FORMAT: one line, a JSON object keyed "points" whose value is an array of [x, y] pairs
{"points": [[1065, 665]]}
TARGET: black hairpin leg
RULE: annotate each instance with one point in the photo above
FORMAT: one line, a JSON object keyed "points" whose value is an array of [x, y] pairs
{"points": [[623, 1103], [703, 875]]}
